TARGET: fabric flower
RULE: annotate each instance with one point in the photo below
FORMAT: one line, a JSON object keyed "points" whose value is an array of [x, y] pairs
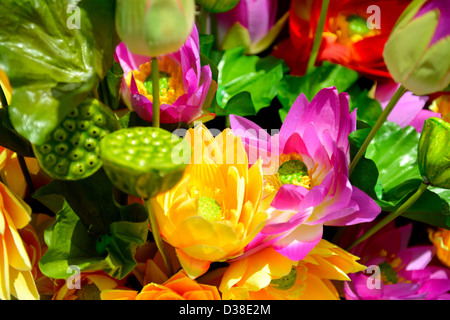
{"points": [[213, 213], [409, 110], [397, 271], [251, 23], [306, 182], [178, 287], [267, 274], [186, 88], [16, 277], [347, 40], [441, 240]]}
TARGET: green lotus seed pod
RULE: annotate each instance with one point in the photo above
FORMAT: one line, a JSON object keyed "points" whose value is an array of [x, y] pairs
{"points": [[69, 152], [434, 153], [292, 171], [144, 161]]}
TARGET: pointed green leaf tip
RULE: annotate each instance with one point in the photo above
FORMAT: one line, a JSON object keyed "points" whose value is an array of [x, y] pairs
{"points": [[434, 153], [144, 161]]}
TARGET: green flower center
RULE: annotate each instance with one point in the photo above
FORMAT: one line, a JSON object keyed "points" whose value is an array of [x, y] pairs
{"points": [[209, 209], [163, 83], [357, 25], [286, 282], [294, 172], [388, 274]]}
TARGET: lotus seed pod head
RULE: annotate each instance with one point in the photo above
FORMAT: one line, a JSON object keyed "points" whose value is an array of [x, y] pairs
{"points": [[217, 6], [434, 153], [154, 27], [144, 161], [416, 53]]}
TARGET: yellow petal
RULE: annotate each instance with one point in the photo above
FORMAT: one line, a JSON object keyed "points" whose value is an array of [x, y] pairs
{"points": [[18, 210], [23, 286], [15, 249], [118, 295], [193, 267], [4, 271]]}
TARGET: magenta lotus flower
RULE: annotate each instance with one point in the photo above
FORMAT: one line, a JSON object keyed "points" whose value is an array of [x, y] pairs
{"points": [[409, 110], [186, 88], [395, 271], [306, 174], [251, 23]]}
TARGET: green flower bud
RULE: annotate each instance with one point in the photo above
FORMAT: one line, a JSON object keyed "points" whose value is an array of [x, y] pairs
{"points": [[217, 6], [416, 53], [154, 27], [434, 153]]}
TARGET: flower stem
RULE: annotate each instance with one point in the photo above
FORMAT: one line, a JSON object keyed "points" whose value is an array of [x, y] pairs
{"points": [[155, 92], [203, 21], [318, 36], [381, 119], [26, 174], [408, 203], [157, 236]]}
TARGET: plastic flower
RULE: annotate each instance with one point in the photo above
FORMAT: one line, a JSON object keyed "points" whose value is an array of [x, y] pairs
{"points": [[409, 110], [214, 212], [347, 39], [185, 86], [441, 240], [397, 272], [269, 275], [178, 287], [417, 50], [250, 24], [16, 278], [307, 184]]}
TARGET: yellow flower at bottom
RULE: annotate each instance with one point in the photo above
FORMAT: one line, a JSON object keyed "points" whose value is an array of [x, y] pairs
{"points": [[214, 212], [267, 274], [441, 241], [16, 278], [178, 287]]}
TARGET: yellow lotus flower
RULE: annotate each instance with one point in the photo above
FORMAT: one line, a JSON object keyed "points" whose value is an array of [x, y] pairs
{"points": [[213, 213], [441, 240], [16, 278], [267, 274]]}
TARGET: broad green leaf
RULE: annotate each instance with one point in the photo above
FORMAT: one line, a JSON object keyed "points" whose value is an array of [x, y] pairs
{"points": [[368, 109], [51, 63], [239, 73], [327, 75]]}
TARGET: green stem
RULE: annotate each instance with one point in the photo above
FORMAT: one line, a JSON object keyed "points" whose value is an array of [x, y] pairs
{"points": [[157, 236], [203, 20], [155, 91], [408, 203], [318, 36], [381, 119]]}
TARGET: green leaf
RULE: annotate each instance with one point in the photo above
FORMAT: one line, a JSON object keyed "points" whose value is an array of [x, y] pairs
{"points": [[52, 68], [87, 211], [368, 109], [321, 77], [10, 139], [113, 82], [239, 73]]}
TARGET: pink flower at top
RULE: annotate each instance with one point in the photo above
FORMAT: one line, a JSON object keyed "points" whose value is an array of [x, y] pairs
{"points": [[186, 88], [395, 270], [306, 180]]}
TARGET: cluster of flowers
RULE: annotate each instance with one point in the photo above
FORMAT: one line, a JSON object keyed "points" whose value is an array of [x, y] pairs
{"points": [[249, 215]]}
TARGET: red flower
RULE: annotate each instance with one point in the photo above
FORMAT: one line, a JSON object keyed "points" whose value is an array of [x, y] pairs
{"points": [[347, 40]]}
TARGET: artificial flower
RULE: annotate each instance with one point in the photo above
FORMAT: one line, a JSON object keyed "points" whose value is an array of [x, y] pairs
{"points": [[306, 185], [214, 212], [251, 24], [154, 27], [178, 287], [16, 276], [440, 238], [397, 271], [267, 274], [347, 39], [416, 53], [88, 287], [409, 110], [186, 88]]}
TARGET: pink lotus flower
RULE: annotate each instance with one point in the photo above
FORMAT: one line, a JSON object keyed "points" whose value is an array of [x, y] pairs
{"points": [[409, 110], [396, 271], [306, 179], [186, 88]]}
